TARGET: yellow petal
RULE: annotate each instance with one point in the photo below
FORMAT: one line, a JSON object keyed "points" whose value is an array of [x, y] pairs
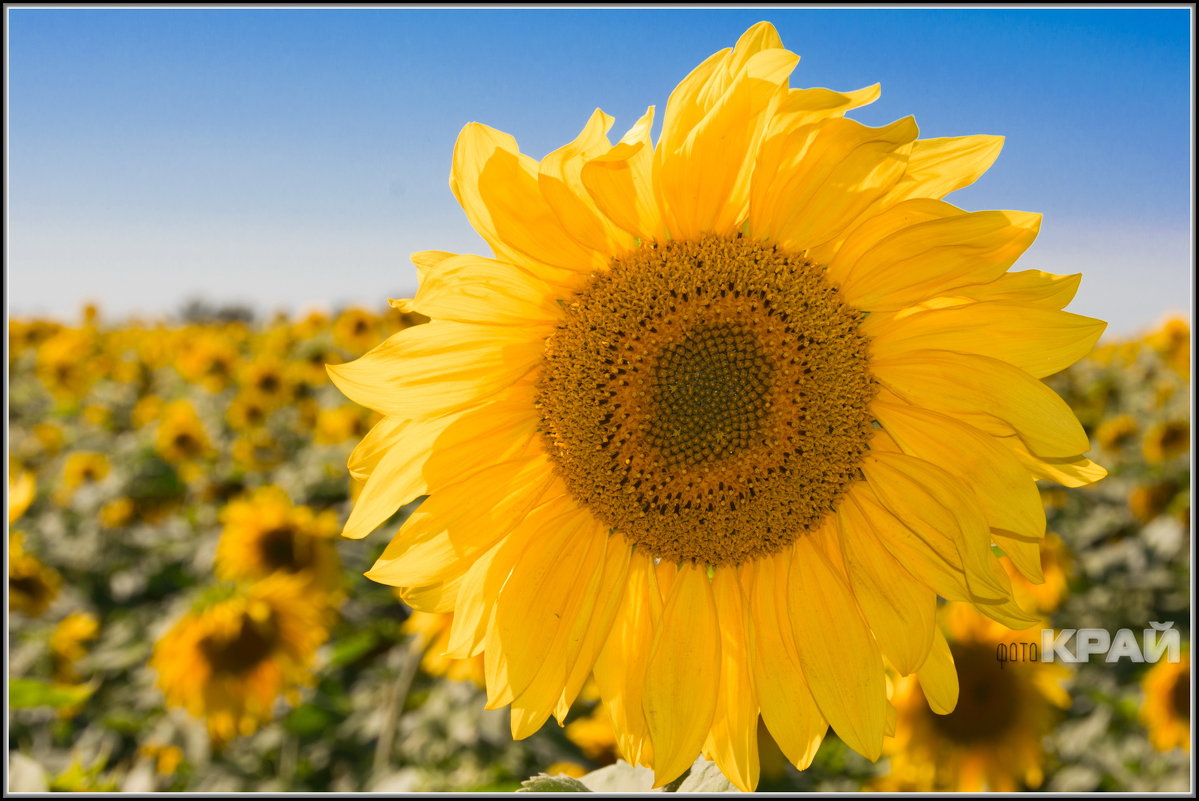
{"points": [[426, 262], [733, 739], [935, 505], [929, 257], [938, 564], [377, 442], [1037, 340], [611, 591], [939, 678], [840, 658], [1003, 487], [812, 182], [939, 166], [621, 666], [1028, 287], [703, 185], [498, 189], [439, 367], [900, 610], [682, 674], [621, 182], [472, 289], [542, 614], [560, 179], [803, 107], [1069, 471], [989, 394], [1024, 553], [436, 598], [396, 479], [788, 710], [461, 521]]}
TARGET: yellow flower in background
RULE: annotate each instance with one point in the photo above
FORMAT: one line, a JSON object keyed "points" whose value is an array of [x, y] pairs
{"points": [[258, 450], [231, 658], [207, 358], [67, 643], [65, 364], [721, 418], [117, 512], [338, 425], [79, 469], [433, 634], [181, 437], [247, 411], [266, 378], [1166, 710], [22, 489], [1116, 432], [32, 586], [991, 741], [50, 438], [356, 330], [1165, 441], [265, 533], [594, 736], [146, 411], [1173, 341], [167, 758], [309, 366], [1147, 501]]}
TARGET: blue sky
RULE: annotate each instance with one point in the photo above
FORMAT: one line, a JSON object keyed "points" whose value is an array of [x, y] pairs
{"points": [[293, 159]]}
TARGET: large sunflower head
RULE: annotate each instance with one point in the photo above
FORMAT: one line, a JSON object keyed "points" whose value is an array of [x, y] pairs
{"points": [[238, 650], [721, 417]]}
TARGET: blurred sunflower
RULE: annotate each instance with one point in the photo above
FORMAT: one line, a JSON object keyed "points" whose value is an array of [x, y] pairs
{"points": [[991, 740], [65, 364], [266, 377], [355, 330], [1057, 566], [1173, 341], [32, 586], [265, 533], [238, 650], [1165, 441], [247, 412], [22, 489], [721, 418], [79, 469], [1166, 711], [207, 359], [1116, 432], [181, 438], [67, 643]]}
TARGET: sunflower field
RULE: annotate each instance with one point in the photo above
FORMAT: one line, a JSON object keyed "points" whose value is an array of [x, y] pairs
{"points": [[185, 616]]}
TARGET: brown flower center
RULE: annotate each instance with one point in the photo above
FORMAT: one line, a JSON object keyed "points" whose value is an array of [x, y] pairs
{"points": [[707, 398]]}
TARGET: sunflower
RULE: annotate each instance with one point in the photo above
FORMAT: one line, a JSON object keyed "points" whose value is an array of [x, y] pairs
{"points": [[1173, 341], [1166, 441], [181, 438], [991, 740], [67, 643], [265, 533], [721, 418], [80, 468], [32, 586], [356, 330], [22, 489], [1167, 707], [1057, 566], [231, 657], [1116, 432]]}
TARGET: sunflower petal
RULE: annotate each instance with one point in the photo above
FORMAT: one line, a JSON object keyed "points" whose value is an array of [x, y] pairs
{"points": [[811, 183], [788, 710], [940, 166], [682, 674], [900, 610], [840, 658], [733, 740], [985, 392], [1005, 491], [930, 257], [621, 182], [473, 289], [938, 677], [1037, 340]]}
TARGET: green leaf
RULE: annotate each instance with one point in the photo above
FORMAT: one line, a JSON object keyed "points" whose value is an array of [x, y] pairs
{"points": [[544, 783], [29, 693]]}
